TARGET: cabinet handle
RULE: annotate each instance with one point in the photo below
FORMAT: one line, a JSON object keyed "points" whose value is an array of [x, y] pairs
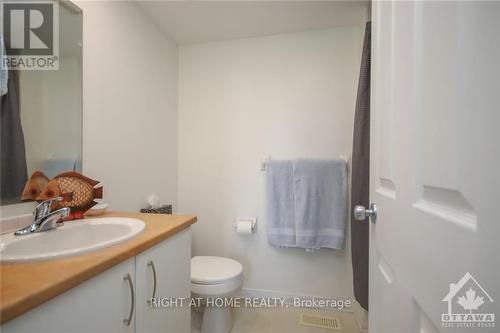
{"points": [[128, 320], [152, 265]]}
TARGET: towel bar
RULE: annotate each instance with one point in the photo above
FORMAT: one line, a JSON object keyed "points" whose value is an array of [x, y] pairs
{"points": [[263, 162]]}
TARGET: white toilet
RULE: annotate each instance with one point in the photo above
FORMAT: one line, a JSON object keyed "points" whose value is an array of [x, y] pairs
{"points": [[215, 277]]}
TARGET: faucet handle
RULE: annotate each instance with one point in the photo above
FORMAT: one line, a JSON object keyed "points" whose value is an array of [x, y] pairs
{"points": [[43, 208]]}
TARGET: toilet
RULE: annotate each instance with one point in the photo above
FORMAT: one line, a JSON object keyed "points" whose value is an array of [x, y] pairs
{"points": [[215, 277]]}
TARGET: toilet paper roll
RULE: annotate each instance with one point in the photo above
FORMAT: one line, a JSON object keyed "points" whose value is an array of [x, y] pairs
{"points": [[244, 227]]}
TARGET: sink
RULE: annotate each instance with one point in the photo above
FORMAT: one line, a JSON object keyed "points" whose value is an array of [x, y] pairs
{"points": [[75, 237]]}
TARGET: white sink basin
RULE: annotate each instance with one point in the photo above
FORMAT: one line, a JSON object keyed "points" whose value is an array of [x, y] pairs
{"points": [[75, 237]]}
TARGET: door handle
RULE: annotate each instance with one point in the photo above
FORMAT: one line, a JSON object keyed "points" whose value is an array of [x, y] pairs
{"points": [[128, 320], [152, 265], [361, 213]]}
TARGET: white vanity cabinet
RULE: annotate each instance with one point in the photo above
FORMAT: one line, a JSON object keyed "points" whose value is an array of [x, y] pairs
{"points": [[100, 304], [109, 300], [163, 271]]}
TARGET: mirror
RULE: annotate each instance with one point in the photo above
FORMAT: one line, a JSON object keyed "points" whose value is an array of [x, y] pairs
{"points": [[43, 130]]}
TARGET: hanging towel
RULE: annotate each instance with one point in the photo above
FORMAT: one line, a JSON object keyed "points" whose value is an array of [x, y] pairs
{"points": [[54, 166], [4, 71], [320, 188], [307, 203], [280, 203]]}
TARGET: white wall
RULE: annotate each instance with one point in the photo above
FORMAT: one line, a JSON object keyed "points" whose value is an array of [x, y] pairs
{"points": [[288, 96], [130, 105]]}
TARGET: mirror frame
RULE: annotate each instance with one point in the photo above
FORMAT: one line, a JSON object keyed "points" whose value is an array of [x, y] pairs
{"points": [[20, 209]]}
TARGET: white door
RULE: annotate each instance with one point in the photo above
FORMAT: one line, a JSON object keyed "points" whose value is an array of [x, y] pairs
{"points": [[435, 166], [165, 271]]}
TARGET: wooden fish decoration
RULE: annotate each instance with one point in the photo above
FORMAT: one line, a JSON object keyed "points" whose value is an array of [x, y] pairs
{"points": [[81, 188], [34, 186]]}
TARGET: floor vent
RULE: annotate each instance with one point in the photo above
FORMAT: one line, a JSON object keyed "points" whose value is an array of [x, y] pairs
{"points": [[331, 323]]}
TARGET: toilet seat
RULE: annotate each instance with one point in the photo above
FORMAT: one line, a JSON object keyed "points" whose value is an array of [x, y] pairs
{"points": [[207, 270]]}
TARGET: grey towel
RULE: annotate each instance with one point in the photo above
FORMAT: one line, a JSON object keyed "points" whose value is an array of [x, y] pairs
{"points": [[54, 166], [280, 203], [320, 203], [307, 203]]}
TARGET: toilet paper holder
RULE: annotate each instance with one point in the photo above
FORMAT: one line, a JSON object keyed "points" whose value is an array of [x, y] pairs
{"points": [[242, 223]]}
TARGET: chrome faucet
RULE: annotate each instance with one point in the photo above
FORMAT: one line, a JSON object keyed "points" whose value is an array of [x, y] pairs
{"points": [[44, 219]]}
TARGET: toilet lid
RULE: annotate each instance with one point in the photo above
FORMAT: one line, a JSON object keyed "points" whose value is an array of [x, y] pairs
{"points": [[213, 270]]}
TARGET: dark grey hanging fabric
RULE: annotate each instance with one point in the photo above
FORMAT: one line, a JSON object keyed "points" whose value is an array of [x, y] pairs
{"points": [[13, 168], [360, 181]]}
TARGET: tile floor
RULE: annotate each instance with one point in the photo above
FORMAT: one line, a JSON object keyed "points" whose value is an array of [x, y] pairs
{"points": [[278, 320]]}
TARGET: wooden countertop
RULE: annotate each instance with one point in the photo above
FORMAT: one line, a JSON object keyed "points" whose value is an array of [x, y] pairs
{"points": [[24, 286]]}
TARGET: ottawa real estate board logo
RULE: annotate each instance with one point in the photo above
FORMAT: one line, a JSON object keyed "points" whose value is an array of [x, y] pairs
{"points": [[469, 305], [30, 35]]}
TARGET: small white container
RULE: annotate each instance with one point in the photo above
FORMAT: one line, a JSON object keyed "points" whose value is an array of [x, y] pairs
{"points": [[97, 210]]}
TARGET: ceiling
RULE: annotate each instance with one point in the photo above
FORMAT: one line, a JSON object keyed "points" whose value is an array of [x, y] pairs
{"points": [[206, 21]]}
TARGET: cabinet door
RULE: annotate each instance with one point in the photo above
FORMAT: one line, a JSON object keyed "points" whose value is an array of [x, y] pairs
{"points": [[100, 304], [170, 261]]}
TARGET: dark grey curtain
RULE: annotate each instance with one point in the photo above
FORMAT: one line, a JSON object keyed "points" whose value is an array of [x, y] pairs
{"points": [[360, 176], [13, 169]]}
